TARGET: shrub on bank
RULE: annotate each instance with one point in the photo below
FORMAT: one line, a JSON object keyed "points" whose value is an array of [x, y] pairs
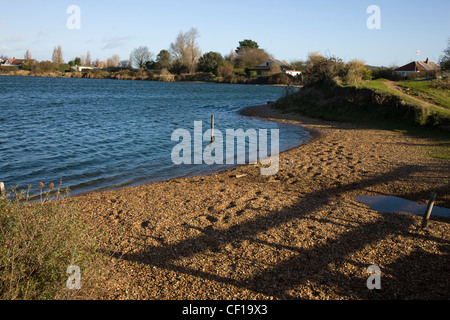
{"points": [[39, 241], [334, 102], [44, 66], [8, 70], [64, 68], [443, 84]]}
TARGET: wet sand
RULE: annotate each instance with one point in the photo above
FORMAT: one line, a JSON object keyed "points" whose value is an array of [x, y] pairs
{"points": [[299, 234]]}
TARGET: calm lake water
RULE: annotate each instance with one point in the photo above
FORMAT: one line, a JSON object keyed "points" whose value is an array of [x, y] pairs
{"points": [[95, 133]]}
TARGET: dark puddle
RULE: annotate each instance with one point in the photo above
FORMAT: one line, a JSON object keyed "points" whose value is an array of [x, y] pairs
{"points": [[395, 204]]}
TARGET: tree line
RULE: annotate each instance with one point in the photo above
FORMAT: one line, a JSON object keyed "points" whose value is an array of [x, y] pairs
{"points": [[184, 57]]}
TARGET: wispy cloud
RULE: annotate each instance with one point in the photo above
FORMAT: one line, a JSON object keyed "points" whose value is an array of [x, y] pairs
{"points": [[16, 38], [115, 42], [4, 50], [41, 33], [39, 36]]}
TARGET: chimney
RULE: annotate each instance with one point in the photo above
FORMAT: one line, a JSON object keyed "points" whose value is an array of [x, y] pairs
{"points": [[426, 61]]}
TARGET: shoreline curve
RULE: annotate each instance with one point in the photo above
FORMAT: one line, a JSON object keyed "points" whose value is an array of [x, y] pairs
{"points": [[299, 234]]}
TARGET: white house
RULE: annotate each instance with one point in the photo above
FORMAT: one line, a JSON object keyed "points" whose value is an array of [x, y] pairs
{"points": [[265, 67], [293, 73], [12, 62], [81, 68]]}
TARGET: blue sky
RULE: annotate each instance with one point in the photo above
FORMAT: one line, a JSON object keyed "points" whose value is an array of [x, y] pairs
{"points": [[288, 29]]}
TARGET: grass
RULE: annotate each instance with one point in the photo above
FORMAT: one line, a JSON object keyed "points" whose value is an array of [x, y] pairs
{"points": [[440, 151], [375, 105], [427, 90], [39, 241], [440, 140], [423, 90], [380, 84]]}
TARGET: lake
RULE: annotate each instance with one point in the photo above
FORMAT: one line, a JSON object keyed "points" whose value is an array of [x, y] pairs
{"points": [[95, 133]]}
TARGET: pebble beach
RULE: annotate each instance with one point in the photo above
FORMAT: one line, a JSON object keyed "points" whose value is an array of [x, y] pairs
{"points": [[298, 234]]}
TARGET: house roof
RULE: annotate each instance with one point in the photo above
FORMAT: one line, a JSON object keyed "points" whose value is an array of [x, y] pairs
{"points": [[266, 65], [419, 66], [14, 61]]}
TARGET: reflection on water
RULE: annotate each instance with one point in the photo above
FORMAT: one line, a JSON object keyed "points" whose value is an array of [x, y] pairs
{"points": [[395, 204]]}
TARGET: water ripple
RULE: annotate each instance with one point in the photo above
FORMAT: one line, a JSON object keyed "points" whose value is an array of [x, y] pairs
{"points": [[101, 133]]}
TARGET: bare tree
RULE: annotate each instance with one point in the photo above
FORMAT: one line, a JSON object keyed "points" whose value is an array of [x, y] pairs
{"points": [[115, 61], [112, 62], [140, 56], [88, 60], [355, 71], [231, 57], [186, 50], [27, 55], [444, 60], [319, 68], [96, 63], [249, 57], [57, 55]]}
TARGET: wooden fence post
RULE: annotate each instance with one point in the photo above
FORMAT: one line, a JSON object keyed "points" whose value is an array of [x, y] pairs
{"points": [[427, 213], [212, 128]]}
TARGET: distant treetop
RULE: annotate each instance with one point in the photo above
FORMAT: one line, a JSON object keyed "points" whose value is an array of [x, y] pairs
{"points": [[247, 44]]}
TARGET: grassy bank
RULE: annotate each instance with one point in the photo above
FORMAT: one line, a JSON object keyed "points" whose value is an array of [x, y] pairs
{"points": [[375, 104], [433, 94], [39, 241], [148, 75]]}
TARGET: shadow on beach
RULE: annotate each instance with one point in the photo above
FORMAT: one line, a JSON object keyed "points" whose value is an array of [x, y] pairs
{"points": [[416, 274]]}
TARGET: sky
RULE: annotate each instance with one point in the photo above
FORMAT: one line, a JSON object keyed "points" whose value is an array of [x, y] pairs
{"points": [[287, 29]]}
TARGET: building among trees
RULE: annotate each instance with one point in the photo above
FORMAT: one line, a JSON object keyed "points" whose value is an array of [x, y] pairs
{"points": [[274, 66], [12, 62], [417, 66]]}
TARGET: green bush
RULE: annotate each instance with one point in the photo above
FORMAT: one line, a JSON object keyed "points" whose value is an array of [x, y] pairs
{"points": [[422, 75], [323, 69], [63, 68], [443, 83], [44, 66], [210, 62], [251, 73], [385, 73], [281, 78], [7, 70]]}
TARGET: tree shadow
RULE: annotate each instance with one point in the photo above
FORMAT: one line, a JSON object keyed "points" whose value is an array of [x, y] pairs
{"points": [[420, 274], [304, 266], [425, 195]]}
